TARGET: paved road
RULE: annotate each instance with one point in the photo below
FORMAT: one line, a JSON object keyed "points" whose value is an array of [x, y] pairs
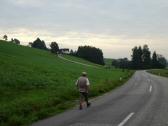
{"points": [[142, 101]]}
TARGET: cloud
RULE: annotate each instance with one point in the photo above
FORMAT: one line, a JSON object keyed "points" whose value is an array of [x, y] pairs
{"points": [[21, 3], [112, 25]]}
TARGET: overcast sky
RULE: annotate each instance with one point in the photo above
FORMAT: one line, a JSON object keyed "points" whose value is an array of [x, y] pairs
{"points": [[115, 26]]}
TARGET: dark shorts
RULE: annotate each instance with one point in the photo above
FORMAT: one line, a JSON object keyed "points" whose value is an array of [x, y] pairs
{"points": [[84, 96]]}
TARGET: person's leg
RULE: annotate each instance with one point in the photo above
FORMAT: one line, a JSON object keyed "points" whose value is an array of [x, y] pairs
{"points": [[86, 99], [81, 100]]}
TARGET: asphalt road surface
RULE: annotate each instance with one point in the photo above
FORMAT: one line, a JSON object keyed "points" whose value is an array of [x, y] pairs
{"points": [[142, 101]]}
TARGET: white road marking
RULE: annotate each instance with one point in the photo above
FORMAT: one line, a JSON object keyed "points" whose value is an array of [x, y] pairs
{"points": [[150, 88], [126, 119]]}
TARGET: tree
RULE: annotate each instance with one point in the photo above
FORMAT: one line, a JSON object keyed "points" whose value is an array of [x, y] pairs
{"points": [[39, 44], [137, 57], [30, 44], [16, 41], [115, 63], [162, 61], [5, 37], [134, 57], [155, 62], [54, 47], [146, 57], [123, 63], [73, 53], [91, 53], [141, 58]]}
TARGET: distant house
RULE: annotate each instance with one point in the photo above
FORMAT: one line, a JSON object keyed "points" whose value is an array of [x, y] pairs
{"points": [[64, 51]]}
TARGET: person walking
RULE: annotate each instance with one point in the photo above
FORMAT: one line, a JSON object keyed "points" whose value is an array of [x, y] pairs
{"points": [[83, 86]]}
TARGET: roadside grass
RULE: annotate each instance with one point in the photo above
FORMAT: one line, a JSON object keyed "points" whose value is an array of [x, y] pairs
{"points": [[36, 84], [159, 72]]}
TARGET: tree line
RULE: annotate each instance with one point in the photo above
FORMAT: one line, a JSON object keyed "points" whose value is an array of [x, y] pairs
{"points": [[89, 53], [13, 40], [40, 44], [141, 58]]}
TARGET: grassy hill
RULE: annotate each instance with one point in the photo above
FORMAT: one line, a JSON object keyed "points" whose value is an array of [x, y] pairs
{"points": [[77, 59], [36, 84]]}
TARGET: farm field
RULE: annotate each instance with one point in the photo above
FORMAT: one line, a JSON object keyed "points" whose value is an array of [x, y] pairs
{"points": [[36, 84]]}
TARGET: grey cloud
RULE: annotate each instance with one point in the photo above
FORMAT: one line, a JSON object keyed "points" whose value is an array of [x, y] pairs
{"points": [[133, 19]]}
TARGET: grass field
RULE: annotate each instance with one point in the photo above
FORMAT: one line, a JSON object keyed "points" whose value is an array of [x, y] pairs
{"points": [[77, 59], [108, 62], [160, 72], [36, 84]]}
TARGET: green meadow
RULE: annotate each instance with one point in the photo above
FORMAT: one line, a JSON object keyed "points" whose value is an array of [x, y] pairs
{"points": [[77, 59], [108, 62], [35, 84], [160, 72]]}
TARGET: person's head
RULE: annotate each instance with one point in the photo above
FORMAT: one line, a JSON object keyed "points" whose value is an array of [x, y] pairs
{"points": [[84, 74]]}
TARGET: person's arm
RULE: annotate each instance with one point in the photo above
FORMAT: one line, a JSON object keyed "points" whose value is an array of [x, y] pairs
{"points": [[76, 83], [88, 84]]}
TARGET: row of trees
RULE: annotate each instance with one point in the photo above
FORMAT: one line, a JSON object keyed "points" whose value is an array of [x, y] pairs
{"points": [[13, 40], [123, 63], [87, 52], [90, 53], [5, 37], [16, 41], [40, 44], [141, 59]]}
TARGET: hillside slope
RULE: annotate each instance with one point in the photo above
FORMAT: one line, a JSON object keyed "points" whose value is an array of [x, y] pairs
{"points": [[35, 84], [80, 60]]}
